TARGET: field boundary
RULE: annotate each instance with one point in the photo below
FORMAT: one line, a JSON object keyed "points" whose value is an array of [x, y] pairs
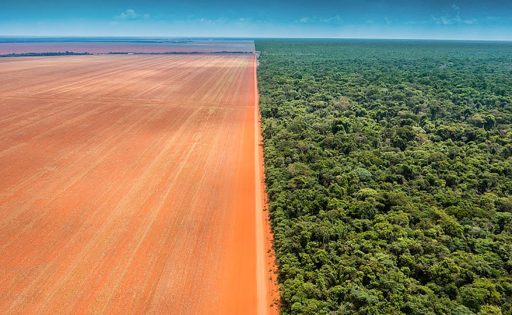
{"points": [[267, 287], [71, 53]]}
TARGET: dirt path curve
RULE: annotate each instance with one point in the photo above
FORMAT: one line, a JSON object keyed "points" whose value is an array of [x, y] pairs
{"points": [[261, 266], [267, 289]]}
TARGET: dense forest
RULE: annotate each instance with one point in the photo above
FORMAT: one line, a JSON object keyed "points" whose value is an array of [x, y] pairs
{"points": [[389, 174]]}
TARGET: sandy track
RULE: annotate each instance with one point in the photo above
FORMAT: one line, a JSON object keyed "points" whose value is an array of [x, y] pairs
{"points": [[128, 185]]}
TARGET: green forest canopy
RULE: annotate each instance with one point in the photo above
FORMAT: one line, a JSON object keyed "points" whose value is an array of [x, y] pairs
{"points": [[389, 174]]}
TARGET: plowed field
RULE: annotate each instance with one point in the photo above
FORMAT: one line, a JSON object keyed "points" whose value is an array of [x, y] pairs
{"points": [[127, 185]]}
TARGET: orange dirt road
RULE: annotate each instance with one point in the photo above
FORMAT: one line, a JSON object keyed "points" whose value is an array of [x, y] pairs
{"points": [[128, 186]]}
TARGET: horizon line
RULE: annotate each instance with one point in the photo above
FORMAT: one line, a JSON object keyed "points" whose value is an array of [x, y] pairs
{"points": [[252, 37]]}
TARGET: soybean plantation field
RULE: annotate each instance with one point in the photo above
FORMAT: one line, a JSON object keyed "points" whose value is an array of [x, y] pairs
{"points": [[128, 185]]}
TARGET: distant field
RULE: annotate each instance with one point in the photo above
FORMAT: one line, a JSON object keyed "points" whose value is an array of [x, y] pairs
{"points": [[127, 184], [128, 46]]}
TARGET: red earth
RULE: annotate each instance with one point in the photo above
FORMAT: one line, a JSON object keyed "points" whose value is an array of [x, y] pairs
{"points": [[132, 184]]}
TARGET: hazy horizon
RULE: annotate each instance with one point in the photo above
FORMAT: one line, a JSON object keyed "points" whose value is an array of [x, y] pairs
{"points": [[148, 37], [367, 19]]}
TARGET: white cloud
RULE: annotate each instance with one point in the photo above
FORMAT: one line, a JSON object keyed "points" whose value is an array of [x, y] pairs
{"points": [[212, 21], [453, 17], [131, 14], [446, 20], [333, 19], [327, 20]]}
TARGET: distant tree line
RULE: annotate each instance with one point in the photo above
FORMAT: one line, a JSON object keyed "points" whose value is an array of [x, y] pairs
{"points": [[43, 54]]}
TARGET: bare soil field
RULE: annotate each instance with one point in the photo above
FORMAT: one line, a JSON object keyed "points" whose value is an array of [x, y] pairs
{"points": [[199, 46], [129, 184]]}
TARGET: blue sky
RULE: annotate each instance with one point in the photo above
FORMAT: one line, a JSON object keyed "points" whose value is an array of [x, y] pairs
{"points": [[468, 19]]}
